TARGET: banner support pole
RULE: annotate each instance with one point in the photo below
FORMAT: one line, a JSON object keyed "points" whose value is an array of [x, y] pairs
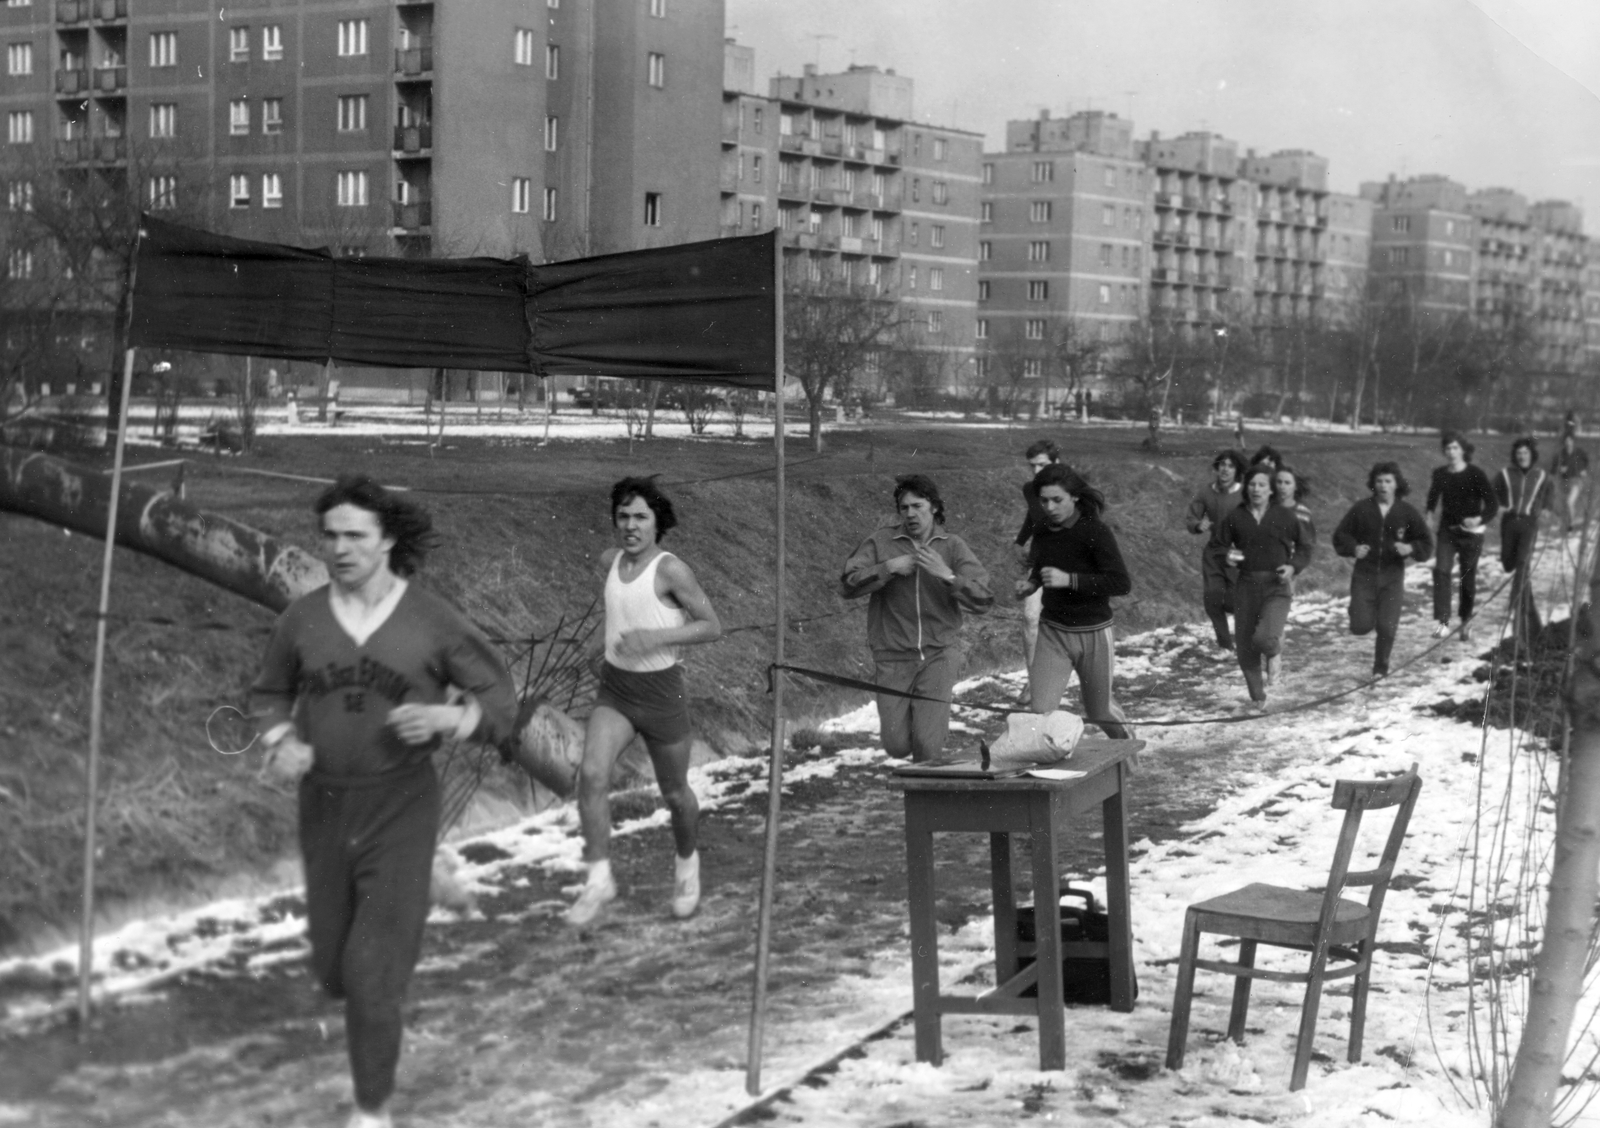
{"points": [[769, 872], [97, 713]]}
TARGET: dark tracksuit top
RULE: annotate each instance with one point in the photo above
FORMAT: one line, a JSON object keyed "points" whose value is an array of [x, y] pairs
{"points": [[1087, 550], [1214, 504], [1366, 524], [1461, 494], [1279, 538], [914, 614]]}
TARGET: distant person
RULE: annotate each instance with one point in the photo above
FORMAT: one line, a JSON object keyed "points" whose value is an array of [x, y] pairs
{"points": [[1571, 466], [1039, 455], [352, 697], [1222, 495], [920, 579], [1523, 491], [1269, 545], [1382, 533], [1075, 561], [1267, 456], [654, 606], [1465, 499], [1289, 489]]}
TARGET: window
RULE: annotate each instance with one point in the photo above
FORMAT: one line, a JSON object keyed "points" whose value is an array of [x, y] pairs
{"points": [[916, 189], [552, 3], [1044, 171], [552, 133], [936, 279], [986, 212], [813, 270], [19, 265], [1032, 368], [1038, 290], [352, 37], [936, 235], [1105, 294], [522, 47], [982, 331], [985, 251], [352, 113], [1039, 211], [988, 174], [657, 65], [756, 168], [757, 119], [935, 321], [19, 3], [1399, 256], [552, 61], [549, 213], [1039, 251], [877, 229], [1400, 223], [785, 124], [911, 278], [19, 127], [271, 190], [19, 58], [1108, 216], [652, 209], [1449, 227], [271, 115], [19, 195], [1449, 258], [981, 365], [272, 43], [163, 119], [1105, 254], [941, 148], [1111, 176], [163, 193], [983, 290], [1033, 329], [874, 271], [658, 9], [351, 190], [755, 218], [941, 192], [239, 45], [521, 194], [163, 49], [912, 236], [239, 116], [239, 191]]}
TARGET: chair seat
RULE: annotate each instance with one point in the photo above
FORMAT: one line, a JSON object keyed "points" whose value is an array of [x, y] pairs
{"points": [[1275, 914]]}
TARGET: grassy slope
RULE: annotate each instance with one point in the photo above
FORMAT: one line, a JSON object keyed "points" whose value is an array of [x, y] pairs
{"points": [[522, 528]]}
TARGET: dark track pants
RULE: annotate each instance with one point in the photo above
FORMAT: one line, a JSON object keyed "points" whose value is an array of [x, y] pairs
{"points": [[915, 728], [1260, 612], [1216, 577], [1517, 537], [368, 847], [1376, 597], [1455, 543]]}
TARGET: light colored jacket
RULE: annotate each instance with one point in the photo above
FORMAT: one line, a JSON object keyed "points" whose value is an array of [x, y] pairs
{"points": [[914, 614]]}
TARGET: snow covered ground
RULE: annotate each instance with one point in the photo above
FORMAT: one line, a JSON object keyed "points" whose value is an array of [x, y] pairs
{"points": [[1274, 825]]}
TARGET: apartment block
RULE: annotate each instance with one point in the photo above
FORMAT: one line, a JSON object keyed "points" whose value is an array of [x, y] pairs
{"points": [[1561, 263], [547, 127], [1424, 242]]}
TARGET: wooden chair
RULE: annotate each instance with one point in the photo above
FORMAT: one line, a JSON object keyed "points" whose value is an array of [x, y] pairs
{"points": [[1321, 923]]}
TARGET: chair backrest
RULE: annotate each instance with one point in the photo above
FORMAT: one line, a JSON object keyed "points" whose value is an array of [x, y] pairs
{"points": [[1355, 798]]}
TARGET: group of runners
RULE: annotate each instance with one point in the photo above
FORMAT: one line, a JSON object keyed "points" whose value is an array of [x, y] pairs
{"points": [[364, 678]]}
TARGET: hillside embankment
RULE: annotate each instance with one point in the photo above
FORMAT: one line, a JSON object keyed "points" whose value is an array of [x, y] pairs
{"points": [[522, 528]]}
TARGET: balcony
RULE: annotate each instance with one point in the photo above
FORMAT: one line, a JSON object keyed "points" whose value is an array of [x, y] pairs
{"points": [[111, 150], [1222, 279], [1188, 277], [417, 216], [70, 82], [1162, 274], [110, 80], [804, 240], [72, 11], [73, 150], [789, 190], [1180, 238], [894, 156], [1160, 237], [111, 11], [790, 142], [830, 196], [1191, 202], [413, 140], [852, 245], [832, 147], [414, 62]]}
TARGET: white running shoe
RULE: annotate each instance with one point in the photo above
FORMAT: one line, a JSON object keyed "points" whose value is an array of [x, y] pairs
{"points": [[362, 1119], [1440, 630], [686, 889], [596, 895]]}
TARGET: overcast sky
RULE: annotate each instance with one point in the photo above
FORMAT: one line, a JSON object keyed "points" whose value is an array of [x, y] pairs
{"points": [[1488, 92]]}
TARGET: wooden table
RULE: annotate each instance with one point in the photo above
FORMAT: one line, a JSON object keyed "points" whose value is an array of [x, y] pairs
{"points": [[1045, 810]]}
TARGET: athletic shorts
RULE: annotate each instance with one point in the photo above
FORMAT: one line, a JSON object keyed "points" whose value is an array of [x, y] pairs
{"points": [[652, 702]]}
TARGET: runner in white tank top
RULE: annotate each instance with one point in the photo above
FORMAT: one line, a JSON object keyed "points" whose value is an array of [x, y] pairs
{"points": [[654, 605]]}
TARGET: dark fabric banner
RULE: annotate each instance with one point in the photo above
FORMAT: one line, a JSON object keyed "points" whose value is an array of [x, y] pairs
{"points": [[698, 312]]}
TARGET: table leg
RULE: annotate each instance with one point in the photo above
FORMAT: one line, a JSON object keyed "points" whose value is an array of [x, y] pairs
{"points": [[1005, 908], [1118, 904], [924, 933], [1047, 921]]}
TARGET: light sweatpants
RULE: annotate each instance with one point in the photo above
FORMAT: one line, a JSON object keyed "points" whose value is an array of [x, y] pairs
{"points": [[1092, 655], [915, 728]]}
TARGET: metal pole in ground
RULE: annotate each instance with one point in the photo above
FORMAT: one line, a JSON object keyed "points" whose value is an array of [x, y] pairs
{"points": [[97, 712], [769, 872]]}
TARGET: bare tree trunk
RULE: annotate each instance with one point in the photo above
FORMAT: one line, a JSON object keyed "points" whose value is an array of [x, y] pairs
{"points": [[814, 409], [1569, 916]]}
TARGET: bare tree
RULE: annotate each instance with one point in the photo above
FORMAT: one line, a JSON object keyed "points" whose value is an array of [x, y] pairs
{"points": [[1013, 359], [1073, 351], [830, 329]]}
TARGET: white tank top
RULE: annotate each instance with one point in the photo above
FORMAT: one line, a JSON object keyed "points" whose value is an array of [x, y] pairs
{"points": [[634, 605]]}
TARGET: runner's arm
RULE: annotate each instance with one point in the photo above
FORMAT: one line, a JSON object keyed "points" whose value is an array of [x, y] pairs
{"points": [[1346, 537], [970, 584], [703, 625], [863, 573], [1419, 536]]}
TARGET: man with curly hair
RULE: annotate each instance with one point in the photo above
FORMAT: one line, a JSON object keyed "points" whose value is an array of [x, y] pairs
{"points": [[353, 696]]}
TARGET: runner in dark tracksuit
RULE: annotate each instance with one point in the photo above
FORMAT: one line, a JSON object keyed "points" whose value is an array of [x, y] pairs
{"points": [[1464, 497], [1383, 534], [1206, 511], [363, 668], [1523, 491], [1270, 545]]}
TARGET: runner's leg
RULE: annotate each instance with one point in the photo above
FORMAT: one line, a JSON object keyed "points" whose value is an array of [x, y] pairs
{"points": [[1051, 669], [1094, 658], [606, 735], [1391, 590], [1443, 562], [894, 713], [671, 763], [930, 720]]}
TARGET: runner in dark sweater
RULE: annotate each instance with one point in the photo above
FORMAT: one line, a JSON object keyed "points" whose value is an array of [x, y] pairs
{"points": [[1206, 512], [1269, 545], [1075, 560], [365, 667], [1383, 534], [1039, 454], [1462, 494], [1523, 491]]}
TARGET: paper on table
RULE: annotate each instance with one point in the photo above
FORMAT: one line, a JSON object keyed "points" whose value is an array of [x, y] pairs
{"points": [[1057, 774]]}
